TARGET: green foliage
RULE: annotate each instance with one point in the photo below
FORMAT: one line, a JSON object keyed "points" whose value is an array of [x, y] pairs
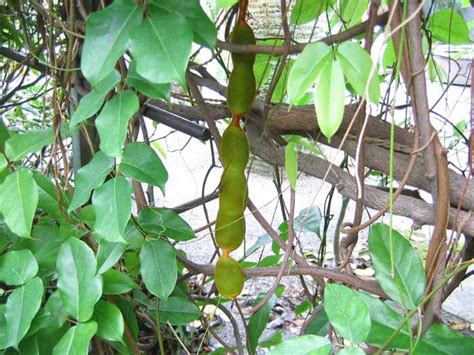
{"points": [[112, 206], [18, 201], [448, 26], [178, 311], [398, 266], [140, 162], [113, 120], [18, 267], [347, 312], [164, 222], [89, 177], [158, 268], [258, 322], [308, 10], [92, 102], [78, 285], [76, 340], [20, 145], [108, 34], [311, 344], [78, 261]]}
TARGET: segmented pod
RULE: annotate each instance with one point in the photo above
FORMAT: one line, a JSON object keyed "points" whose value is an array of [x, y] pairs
{"points": [[241, 89], [229, 277], [234, 153], [243, 34]]}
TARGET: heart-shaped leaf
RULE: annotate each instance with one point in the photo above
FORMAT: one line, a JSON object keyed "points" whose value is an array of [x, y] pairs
{"points": [[92, 102], [18, 267], [79, 287], [147, 88], [89, 177], [312, 344], [162, 221], [112, 205], [357, 67], [18, 201], [329, 98], [107, 38], [305, 71], [20, 145], [76, 340], [178, 311], [153, 42], [142, 163], [158, 268], [347, 312], [110, 323], [113, 120], [22, 305], [397, 265]]}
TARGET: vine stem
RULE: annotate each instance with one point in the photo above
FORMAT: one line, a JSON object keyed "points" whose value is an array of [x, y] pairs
{"points": [[158, 328]]}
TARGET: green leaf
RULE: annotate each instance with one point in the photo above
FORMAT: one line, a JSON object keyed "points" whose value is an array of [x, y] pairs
{"points": [[76, 340], [112, 122], [356, 65], [18, 267], [352, 11], [440, 339], [384, 323], [204, 30], [312, 345], [129, 315], [116, 282], [3, 162], [309, 220], [79, 287], [158, 267], [305, 71], [319, 326], [107, 37], [108, 255], [147, 88], [306, 11], [351, 351], [153, 42], [92, 102], [347, 312], [258, 321], [20, 145], [45, 244], [291, 163], [110, 323], [57, 315], [18, 201], [405, 282], [448, 26], [141, 162], [48, 197], [178, 311], [273, 340], [22, 305], [162, 221], [112, 205], [329, 98], [224, 4], [89, 177], [303, 307]]}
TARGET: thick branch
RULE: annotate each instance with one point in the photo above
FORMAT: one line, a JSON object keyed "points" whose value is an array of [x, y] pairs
{"points": [[420, 211], [351, 280]]}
